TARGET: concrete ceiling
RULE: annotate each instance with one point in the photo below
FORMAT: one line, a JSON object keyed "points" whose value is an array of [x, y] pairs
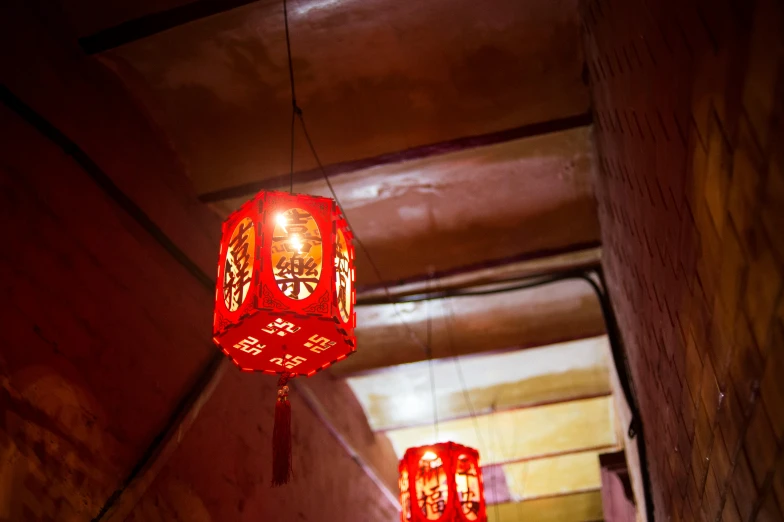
{"points": [[456, 135], [373, 77], [520, 198]]}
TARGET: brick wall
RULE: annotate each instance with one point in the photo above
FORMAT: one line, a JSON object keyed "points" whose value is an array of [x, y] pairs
{"points": [[688, 117]]}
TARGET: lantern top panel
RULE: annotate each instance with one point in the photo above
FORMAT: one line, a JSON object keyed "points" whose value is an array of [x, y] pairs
{"points": [[286, 196], [440, 447]]}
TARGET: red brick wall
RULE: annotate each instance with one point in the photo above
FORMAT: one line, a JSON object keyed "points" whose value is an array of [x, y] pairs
{"points": [[688, 118]]}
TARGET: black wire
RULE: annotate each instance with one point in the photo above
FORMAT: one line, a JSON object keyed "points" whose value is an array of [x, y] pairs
{"points": [[297, 112], [288, 54], [467, 398], [616, 349], [635, 427], [462, 292], [635, 430], [429, 345], [291, 164], [294, 107], [376, 271]]}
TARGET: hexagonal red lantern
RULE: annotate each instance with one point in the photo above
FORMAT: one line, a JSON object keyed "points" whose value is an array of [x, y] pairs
{"points": [[441, 482], [284, 302]]}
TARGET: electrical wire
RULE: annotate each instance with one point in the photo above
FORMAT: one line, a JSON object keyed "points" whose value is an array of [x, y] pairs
{"points": [[467, 397], [376, 271], [468, 292], [297, 113], [616, 349], [294, 107], [635, 427], [291, 164], [432, 373]]}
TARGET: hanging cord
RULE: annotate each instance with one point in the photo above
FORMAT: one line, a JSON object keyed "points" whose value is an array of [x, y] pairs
{"points": [[467, 397], [635, 429], [291, 163], [429, 345], [388, 295], [450, 318], [295, 110]]}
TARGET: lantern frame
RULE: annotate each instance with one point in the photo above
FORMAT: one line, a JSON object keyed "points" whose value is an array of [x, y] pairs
{"points": [[266, 308], [449, 453]]}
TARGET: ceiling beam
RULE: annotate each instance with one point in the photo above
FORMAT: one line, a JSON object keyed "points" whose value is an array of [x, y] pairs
{"points": [[527, 406], [556, 374], [154, 23], [414, 153], [568, 472], [545, 476], [572, 507], [512, 436], [391, 335], [586, 256]]}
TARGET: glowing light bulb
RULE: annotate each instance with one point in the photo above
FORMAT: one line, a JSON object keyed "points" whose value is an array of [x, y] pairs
{"points": [[296, 243], [429, 455], [281, 220]]}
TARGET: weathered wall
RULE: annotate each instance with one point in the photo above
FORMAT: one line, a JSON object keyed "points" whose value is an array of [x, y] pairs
{"points": [[93, 359], [688, 111], [106, 314]]}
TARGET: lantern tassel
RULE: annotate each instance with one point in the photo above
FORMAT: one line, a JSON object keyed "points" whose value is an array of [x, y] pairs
{"points": [[281, 436]]}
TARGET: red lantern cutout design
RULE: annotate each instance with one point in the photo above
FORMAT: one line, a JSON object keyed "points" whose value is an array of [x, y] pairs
{"points": [[285, 296], [442, 482]]}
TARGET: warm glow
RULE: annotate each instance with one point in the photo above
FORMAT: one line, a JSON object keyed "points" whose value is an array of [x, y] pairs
{"points": [[432, 486], [276, 303], [296, 252], [445, 484], [405, 494], [343, 277], [296, 243], [461, 483], [467, 486], [238, 267]]}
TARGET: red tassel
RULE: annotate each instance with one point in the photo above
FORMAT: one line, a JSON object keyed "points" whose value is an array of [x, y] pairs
{"points": [[281, 436]]}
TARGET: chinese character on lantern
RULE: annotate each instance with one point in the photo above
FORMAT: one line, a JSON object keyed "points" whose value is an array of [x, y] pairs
{"points": [[285, 293], [441, 482]]}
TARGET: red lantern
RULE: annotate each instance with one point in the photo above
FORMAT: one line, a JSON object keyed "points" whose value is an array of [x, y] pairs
{"points": [[284, 302], [441, 482]]}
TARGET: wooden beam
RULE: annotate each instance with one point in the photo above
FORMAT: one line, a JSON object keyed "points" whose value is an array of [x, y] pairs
{"points": [[522, 379], [526, 318], [154, 23], [543, 263], [565, 473], [515, 435], [414, 153], [573, 507]]}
